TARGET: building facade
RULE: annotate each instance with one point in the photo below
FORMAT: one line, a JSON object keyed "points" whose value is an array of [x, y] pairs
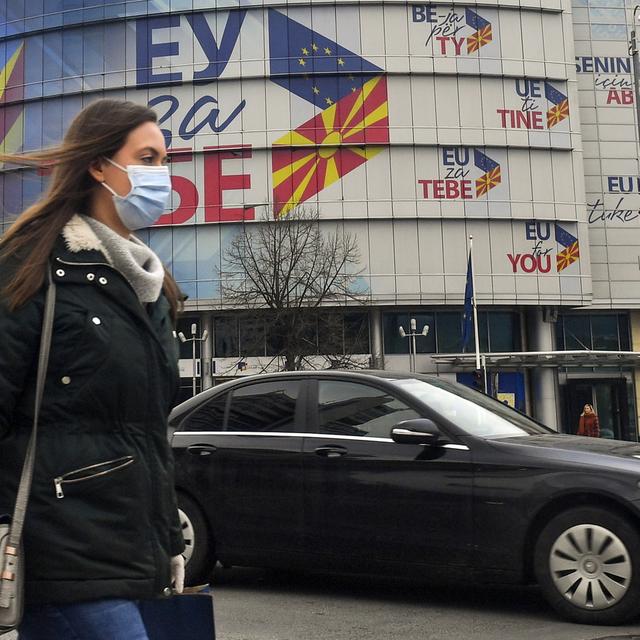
{"points": [[409, 126]]}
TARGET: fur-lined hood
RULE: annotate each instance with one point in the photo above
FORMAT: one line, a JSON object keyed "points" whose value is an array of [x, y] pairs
{"points": [[135, 261], [79, 236]]}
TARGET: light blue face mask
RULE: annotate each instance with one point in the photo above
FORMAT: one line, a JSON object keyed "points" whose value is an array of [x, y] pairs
{"points": [[148, 198]]}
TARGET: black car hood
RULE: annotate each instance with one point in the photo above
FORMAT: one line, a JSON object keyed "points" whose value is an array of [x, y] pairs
{"points": [[577, 449]]}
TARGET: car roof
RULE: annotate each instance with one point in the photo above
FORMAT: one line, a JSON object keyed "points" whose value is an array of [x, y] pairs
{"points": [[360, 374]]}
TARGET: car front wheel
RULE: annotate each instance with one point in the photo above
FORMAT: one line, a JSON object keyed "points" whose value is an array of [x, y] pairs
{"points": [[587, 562], [198, 555]]}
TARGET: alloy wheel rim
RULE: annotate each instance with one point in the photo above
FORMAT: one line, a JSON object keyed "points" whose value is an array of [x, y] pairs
{"points": [[188, 534], [590, 566]]}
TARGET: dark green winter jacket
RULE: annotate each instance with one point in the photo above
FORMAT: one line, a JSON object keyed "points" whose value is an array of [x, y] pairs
{"points": [[102, 519]]}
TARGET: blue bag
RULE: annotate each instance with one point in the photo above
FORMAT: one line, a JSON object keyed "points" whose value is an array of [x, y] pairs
{"points": [[184, 617]]}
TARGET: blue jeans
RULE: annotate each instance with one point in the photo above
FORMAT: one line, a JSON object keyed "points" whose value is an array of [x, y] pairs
{"points": [[111, 619]]}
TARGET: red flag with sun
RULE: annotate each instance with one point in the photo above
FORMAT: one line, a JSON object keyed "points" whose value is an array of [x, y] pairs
{"points": [[330, 145]]}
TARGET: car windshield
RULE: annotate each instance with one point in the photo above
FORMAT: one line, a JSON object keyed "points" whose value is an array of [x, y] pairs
{"points": [[471, 411]]}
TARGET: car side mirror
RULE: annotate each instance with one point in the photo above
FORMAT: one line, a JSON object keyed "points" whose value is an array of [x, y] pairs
{"points": [[416, 431]]}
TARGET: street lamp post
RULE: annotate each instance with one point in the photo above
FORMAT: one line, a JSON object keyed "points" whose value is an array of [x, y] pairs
{"points": [[635, 56], [412, 341], [193, 339]]}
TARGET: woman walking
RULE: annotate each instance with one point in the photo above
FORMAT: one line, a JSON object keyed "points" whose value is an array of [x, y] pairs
{"points": [[589, 425], [102, 527]]}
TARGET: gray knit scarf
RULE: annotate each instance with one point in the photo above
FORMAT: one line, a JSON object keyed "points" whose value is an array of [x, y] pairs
{"points": [[133, 259]]}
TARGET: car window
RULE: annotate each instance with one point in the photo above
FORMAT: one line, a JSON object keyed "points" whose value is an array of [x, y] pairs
{"points": [[353, 409], [208, 417], [265, 406], [473, 412]]}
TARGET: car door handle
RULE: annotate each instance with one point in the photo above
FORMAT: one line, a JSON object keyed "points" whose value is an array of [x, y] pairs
{"points": [[201, 449], [331, 452]]}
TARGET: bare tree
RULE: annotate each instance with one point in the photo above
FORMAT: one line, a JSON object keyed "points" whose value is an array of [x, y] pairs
{"points": [[289, 268]]}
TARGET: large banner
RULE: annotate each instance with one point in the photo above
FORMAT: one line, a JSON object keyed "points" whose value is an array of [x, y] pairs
{"points": [[610, 134], [449, 114], [326, 92], [419, 261], [379, 181]]}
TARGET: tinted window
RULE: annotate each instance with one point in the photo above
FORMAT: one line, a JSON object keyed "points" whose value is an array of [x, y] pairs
{"points": [[577, 332], [251, 336], [623, 332], [395, 343], [351, 409], [209, 417], [293, 331], [504, 331], [605, 332], [483, 333], [471, 411], [600, 331], [185, 324], [226, 337], [356, 333], [266, 406], [449, 332], [330, 329]]}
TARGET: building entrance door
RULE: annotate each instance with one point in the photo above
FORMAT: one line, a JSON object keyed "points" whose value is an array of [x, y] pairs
{"points": [[609, 400]]}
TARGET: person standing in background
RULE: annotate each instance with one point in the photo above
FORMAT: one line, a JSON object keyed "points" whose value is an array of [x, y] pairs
{"points": [[589, 424]]}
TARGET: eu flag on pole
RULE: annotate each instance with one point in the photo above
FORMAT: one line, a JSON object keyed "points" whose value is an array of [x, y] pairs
{"points": [[467, 316]]}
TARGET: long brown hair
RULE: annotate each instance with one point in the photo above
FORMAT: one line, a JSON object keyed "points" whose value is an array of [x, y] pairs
{"points": [[98, 131]]}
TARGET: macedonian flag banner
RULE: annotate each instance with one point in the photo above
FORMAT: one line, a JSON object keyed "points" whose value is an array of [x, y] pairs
{"points": [[330, 145], [351, 93]]}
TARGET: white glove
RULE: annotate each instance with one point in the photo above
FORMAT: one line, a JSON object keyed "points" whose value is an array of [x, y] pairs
{"points": [[177, 573]]}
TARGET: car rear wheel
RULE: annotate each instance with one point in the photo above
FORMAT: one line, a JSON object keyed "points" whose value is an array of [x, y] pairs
{"points": [[587, 562], [198, 553]]}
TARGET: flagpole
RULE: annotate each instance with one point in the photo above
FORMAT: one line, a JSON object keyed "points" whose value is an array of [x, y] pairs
{"points": [[473, 303]]}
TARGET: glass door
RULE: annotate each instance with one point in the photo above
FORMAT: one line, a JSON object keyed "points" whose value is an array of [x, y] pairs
{"points": [[609, 400]]}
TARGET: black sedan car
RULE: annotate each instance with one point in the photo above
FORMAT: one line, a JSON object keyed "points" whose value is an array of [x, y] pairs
{"points": [[411, 475]]}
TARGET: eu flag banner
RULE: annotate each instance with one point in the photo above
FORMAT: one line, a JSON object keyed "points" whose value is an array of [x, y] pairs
{"points": [[312, 66], [571, 251], [560, 110], [467, 316], [563, 237], [492, 176], [552, 94], [352, 94], [483, 31]]}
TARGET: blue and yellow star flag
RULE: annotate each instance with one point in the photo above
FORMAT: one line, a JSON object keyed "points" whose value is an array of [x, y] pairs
{"points": [[563, 237], [467, 315], [483, 32], [552, 94], [560, 109], [312, 66], [492, 176], [571, 252]]}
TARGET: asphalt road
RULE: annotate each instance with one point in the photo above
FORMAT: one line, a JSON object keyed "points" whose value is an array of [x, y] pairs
{"points": [[252, 604], [257, 605]]}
